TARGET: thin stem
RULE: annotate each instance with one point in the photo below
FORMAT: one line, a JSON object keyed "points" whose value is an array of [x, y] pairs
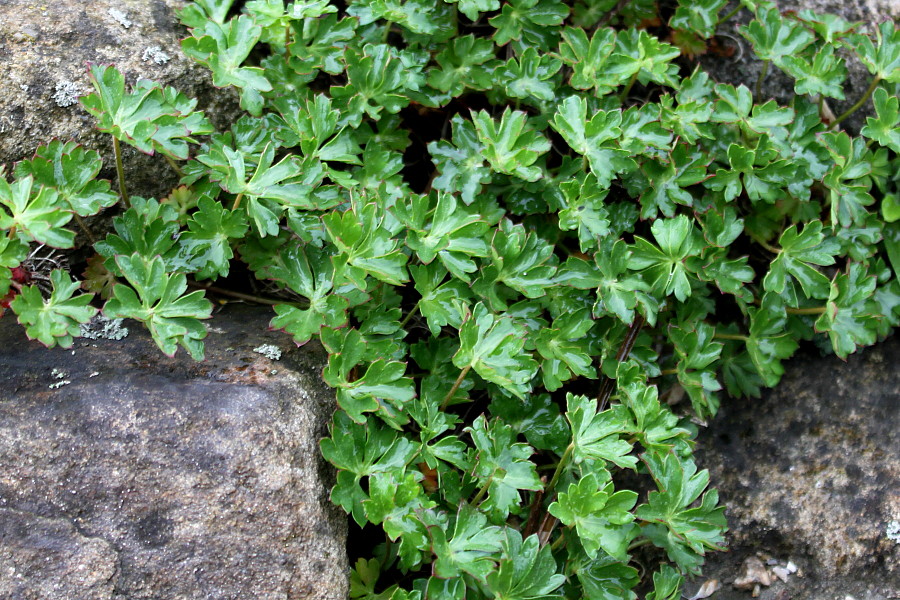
{"points": [[456, 384], [730, 336], [543, 532], [609, 385], [638, 544], [558, 542], [859, 104], [482, 491], [174, 166], [237, 201], [764, 244], [759, 81], [627, 89], [120, 172], [84, 228], [559, 468], [238, 295], [609, 16], [409, 316], [731, 13], [666, 372], [813, 310], [534, 510]]}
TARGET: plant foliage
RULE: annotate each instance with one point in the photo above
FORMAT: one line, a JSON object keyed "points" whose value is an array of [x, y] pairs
{"points": [[523, 230]]}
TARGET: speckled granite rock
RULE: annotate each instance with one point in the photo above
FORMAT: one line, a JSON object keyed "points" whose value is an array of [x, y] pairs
{"points": [[744, 68], [44, 50], [48, 558], [127, 475], [811, 473]]}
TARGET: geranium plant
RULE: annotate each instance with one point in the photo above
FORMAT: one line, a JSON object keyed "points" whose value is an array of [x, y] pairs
{"points": [[535, 238]]}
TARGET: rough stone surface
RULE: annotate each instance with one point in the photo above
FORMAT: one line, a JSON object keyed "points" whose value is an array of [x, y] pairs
{"points": [[45, 48], [810, 473], [128, 475], [48, 558], [744, 67]]}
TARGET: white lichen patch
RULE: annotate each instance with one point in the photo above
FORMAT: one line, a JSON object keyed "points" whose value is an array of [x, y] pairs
{"points": [[156, 54], [103, 328], [66, 94], [269, 351], [892, 531], [60, 375], [120, 17]]}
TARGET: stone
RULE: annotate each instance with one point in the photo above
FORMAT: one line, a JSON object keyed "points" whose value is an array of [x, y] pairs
{"points": [[810, 476], [753, 574], [129, 475], [48, 558], [43, 70], [744, 68]]}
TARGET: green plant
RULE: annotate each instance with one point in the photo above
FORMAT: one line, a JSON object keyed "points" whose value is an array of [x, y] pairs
{"points": [[604, 232]]}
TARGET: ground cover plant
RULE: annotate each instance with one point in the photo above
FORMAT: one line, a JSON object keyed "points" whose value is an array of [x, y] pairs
{"points": [[537, 241]]}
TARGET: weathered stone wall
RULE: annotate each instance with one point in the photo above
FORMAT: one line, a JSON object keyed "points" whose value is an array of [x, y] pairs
{"points": [[810, 473], [744, 67], [45, 49], [128, 475]]}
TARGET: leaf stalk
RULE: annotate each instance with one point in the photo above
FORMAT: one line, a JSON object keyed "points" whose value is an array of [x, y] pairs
{"points": [[412, 312], [638, 544], [483, 490], [84, 228], [563, 462], [764, 243], [624, 95], [858, 105], [759, 80], [615, 11], [120, 173], [606, 389], [238, 295], [730, 336], [174, 165], [730, 14], [813, 310], [456, 384]]}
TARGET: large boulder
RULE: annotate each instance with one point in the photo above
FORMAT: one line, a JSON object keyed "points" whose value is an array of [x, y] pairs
{"points": [[810, 475], [128, 475], [44, 58]]}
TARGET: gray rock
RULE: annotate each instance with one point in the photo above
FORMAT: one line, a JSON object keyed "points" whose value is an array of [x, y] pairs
{"points": [[810, 473], [128, 475], [48, 558], [44, 51], [744, 68]]}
